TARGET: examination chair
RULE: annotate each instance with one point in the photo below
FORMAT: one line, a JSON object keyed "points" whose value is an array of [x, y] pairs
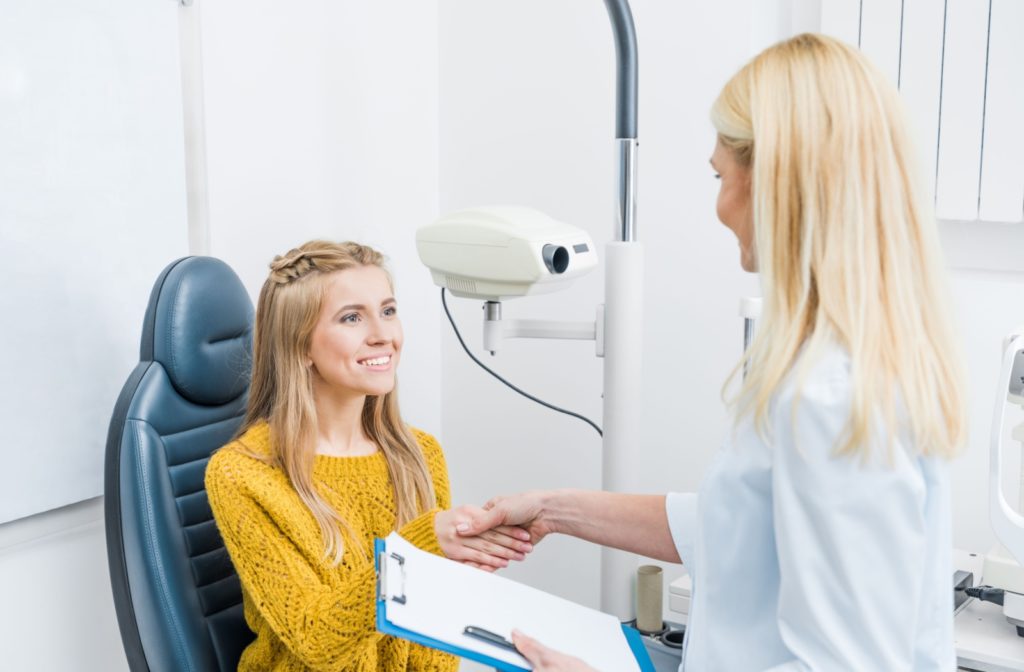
{"points": [[177, 597]]}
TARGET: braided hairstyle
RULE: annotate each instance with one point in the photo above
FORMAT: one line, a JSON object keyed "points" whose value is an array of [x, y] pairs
{"points": [[281, 393], [322, 256]]}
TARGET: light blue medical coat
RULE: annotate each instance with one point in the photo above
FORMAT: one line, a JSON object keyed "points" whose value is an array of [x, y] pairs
{"points": [[804, 561]]}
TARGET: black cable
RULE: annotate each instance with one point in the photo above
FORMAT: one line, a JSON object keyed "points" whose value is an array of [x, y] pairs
{"points": [[986, 593], [490, 371]]}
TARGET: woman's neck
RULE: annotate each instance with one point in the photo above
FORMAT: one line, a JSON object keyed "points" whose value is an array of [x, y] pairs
{"points": [[339, 425]]}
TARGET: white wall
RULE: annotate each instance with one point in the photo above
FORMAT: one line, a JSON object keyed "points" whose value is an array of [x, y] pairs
{"points": [[57, 607]]}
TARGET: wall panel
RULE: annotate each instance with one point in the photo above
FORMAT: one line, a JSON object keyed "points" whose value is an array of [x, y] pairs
{"points": [[92, 207]]}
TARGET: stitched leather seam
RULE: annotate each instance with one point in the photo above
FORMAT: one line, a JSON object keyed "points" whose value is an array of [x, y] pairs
{"points": [[236, 337], [151, 551]]}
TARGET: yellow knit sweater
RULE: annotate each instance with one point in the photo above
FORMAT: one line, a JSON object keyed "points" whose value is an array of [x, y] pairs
{"points": [[307, 613]]}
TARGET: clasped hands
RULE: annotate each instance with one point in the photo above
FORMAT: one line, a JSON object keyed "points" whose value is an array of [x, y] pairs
{"points": [[488, 537]]}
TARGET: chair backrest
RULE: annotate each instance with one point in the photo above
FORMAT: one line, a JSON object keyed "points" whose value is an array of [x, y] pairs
{"points": [[177, 597]]}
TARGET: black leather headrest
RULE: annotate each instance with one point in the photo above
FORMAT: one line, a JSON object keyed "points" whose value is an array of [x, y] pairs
{"points": [[199, 327]]}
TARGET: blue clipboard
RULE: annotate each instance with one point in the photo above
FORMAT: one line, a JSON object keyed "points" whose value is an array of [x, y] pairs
{"points": [[633, 637]]}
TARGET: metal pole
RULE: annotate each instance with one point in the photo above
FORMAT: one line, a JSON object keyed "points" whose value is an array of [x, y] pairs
{"points": [[625, 66], [626, 212], [626, 85], [623, 319], [750, 311]]}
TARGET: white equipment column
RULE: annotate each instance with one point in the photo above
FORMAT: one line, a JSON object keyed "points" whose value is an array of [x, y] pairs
{"points": [[623, 319], [623, 407]]}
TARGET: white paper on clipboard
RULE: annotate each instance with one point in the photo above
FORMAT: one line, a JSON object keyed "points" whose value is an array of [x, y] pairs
{"points": [[442, 597]]}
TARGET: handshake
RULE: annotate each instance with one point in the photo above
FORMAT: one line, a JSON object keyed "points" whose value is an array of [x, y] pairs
{"points": [[504, 529]]}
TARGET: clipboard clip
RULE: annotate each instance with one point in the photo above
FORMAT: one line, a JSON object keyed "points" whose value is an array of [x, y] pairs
{"points": [[382, 583], [489, 637]]}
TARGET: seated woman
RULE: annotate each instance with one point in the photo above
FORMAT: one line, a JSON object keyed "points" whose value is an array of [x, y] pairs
{"points": [[323, 464]]}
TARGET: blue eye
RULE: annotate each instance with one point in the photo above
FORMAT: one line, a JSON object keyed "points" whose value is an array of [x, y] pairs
{"points": [[391, 311], [351, 318]]}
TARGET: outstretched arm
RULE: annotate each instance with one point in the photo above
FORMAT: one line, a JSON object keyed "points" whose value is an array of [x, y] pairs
{"points": [[634, 523]]}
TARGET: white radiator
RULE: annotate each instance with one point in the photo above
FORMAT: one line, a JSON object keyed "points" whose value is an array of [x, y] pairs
{"points": [[959, 65]]}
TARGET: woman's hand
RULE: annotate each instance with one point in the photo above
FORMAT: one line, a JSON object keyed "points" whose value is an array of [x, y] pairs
{"points": [[524, 511], [488, 547], [544, 659]]}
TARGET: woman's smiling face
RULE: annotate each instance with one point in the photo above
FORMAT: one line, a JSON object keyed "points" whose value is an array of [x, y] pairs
{"points": [[734, 202], [357, 340]]}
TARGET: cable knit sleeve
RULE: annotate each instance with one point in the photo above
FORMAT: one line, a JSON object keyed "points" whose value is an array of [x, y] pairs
{"points": [[326, 622]]}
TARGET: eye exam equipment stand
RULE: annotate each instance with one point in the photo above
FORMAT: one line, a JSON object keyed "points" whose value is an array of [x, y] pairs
{"points": [[989, 632], [1003, 563], [618, 326]]}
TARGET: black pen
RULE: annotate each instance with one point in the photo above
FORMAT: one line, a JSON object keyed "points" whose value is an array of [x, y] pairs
{"points": [[489, 637]]}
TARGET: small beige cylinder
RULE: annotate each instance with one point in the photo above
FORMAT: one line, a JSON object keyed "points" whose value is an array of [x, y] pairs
{"points": [[648, 598]]}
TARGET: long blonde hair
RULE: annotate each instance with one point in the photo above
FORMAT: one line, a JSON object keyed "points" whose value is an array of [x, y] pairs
{"points": [[281, 393], [845, 239]]}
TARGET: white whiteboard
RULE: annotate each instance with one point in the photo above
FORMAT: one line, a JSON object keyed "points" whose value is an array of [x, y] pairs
{"points": [[92, 207]]}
